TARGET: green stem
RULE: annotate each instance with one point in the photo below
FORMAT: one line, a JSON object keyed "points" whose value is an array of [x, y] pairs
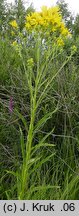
{"points": [[25, 169]]}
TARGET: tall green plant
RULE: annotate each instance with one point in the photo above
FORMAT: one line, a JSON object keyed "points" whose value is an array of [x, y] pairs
{"points": [[33, 154]]}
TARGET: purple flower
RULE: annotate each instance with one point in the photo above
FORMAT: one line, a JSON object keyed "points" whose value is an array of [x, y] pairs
{"points": [[11, 105]]}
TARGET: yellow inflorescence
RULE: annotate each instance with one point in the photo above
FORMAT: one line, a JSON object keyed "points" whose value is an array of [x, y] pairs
{"points": [[12, 33], [49, 19], [14, 43], [60, 42], [30, 62], [73, 49], [14, 24]]}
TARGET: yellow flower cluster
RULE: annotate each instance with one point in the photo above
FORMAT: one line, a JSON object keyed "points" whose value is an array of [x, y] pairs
{"points": [[14, 43], [14, 24], [73, 49], [48, 19], [60, 42], [12, 33], [30, 62]]}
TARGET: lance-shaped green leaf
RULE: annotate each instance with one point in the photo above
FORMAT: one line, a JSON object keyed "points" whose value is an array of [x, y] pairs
{"points": [[22, 119], [44, 119]]}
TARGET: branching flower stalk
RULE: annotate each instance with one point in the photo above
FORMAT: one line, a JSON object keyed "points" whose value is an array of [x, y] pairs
{"points": [[33, 105]]}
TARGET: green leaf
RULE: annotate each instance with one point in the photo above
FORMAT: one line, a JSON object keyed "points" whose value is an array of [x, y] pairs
{"points": [[42, 162], [42, 145], [12, 173], [22, 144], [41, 188], [43, 120], [22, 119]]}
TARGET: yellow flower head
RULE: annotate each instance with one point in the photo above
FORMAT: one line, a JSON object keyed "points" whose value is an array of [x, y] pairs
{"points": [[14, 24], [60, 42], [12, 33], [73, 49], [27, 25], [14, 43], [30, 62], [49, 19]]}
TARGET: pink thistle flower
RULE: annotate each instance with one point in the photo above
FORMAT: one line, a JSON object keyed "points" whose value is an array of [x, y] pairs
{"points": [[11, 105]]}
